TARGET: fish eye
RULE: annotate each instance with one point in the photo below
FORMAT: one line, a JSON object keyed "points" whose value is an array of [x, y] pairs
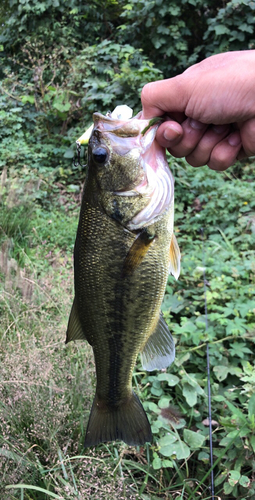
{"points": [[100, 155]]}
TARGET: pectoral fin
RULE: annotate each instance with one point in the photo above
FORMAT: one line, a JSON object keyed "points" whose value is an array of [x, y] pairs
{"points": [[74, 328], [137, 252], [159, 351], [174, 258]]}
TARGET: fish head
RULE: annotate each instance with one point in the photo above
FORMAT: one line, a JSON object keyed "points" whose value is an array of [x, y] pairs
{"points": [[115, 151], [130, 169]]}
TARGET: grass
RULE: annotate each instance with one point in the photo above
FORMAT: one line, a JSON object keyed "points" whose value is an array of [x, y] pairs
{"points": [[46, 387], [46, 392]]}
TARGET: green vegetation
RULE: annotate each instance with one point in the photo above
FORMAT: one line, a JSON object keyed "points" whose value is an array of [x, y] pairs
{"points": [[60, 62]]}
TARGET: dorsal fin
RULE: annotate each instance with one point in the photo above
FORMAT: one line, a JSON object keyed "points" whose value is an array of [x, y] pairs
{"points": [[159, 351], [74, 328]]}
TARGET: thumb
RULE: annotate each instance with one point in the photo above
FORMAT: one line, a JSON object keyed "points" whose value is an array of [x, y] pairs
{"points": [[164, 96]]}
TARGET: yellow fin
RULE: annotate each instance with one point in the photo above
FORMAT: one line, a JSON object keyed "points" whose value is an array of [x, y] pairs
{"points": [[159, 351], [74, 328], [174, 258], [137, 252]]}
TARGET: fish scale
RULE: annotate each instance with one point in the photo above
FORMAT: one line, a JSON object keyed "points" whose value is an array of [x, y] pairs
{"points": [[120, 279]]}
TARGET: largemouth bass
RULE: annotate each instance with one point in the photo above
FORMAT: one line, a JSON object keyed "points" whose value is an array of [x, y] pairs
{"points": [[124, 251]]}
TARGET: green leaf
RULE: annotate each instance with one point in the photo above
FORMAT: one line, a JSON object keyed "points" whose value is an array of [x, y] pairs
{"points": [[60, 106], [234, 477], [252, 441], [167, 463], [28, 98], [227, 488], [221, 372], [236, 412], [244, 481], [190, 394], [156, 463], [220, 29], [69, 153], [169, 378], [181, 450], [35, 488], [164, 402], [176, 448], [203, 456], [193, 439], [167, 440], [251, 406]]}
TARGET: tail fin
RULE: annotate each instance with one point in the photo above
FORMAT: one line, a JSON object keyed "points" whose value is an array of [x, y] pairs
{"points": [[127, 422]]}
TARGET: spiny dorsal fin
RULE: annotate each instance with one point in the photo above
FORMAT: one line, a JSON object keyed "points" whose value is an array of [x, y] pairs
{"points": [[74, 328], [159, 351], [174, 258], [137, 252]]}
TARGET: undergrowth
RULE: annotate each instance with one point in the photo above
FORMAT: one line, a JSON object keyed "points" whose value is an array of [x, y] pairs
{"points": [[46, 388]]}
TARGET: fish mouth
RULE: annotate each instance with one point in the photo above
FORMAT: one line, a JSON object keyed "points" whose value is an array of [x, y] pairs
{"points": [[157, 186], [157, 183]]}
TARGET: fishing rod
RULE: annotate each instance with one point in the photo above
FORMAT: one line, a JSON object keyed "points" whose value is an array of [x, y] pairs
{"points": [[208, 373]]}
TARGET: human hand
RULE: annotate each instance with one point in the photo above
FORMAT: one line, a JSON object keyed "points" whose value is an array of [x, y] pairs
{"points": [[211, 110]]}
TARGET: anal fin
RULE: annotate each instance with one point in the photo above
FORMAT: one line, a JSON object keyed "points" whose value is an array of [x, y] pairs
{"points": [[159, 351], [74, 328], [174, 258]]}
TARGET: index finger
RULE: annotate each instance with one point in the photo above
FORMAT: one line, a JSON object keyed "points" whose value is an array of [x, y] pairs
{"points": [[163, 96]]}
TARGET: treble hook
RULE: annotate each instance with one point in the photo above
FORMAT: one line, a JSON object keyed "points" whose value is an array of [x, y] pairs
{"points": [[78, 153]]}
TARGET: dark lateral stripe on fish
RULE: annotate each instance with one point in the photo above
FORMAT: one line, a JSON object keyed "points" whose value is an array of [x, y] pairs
{"points": [[116, 347]]}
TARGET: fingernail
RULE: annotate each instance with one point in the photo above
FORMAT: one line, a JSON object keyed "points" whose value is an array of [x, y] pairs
{"points": [[171, 133], [234, 139], [196, 124], [219, 129]]}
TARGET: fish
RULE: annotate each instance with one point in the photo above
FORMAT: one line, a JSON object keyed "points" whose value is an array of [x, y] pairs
{"points": [[124, 250]]}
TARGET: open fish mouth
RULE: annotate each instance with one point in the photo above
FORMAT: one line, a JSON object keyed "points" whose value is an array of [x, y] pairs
{"points": [[158, 187], [137, 135]]}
